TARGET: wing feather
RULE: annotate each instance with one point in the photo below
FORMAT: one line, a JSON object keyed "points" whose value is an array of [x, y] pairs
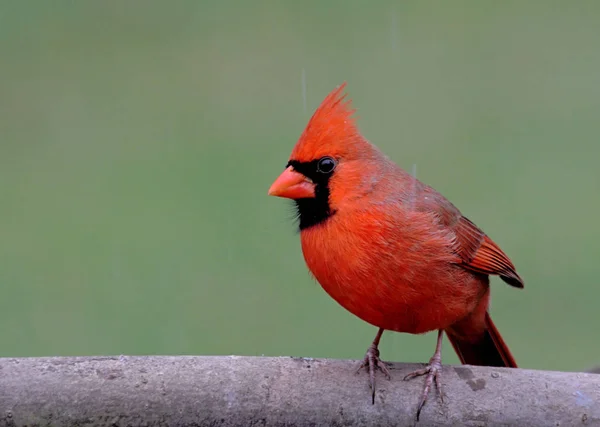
{"points": [[479, 253], [476, 250]]}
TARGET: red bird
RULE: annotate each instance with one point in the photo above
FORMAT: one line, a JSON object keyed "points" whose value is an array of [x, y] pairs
{"points": [[390, 249]]}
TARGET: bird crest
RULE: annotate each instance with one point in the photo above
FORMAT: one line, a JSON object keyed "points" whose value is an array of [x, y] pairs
{"points": [[331, 130]]}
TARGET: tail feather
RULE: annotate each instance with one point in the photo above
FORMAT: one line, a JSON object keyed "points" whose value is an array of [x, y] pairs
{"points": [[489, 350]]}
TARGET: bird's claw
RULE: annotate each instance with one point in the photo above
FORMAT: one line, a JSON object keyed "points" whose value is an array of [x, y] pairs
{"points": [[434, 373], [372, 361]]}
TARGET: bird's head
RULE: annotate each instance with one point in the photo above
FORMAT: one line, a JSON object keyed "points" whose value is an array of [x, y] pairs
{"points": [[329, 164]]}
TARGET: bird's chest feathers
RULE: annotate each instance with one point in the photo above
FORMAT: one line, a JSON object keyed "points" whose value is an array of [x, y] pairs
{"points": [[334, 258], [351, 259], [382, 270]]}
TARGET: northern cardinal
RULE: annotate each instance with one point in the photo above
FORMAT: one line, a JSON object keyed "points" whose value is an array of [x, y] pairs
{"points": [[390, 249]]}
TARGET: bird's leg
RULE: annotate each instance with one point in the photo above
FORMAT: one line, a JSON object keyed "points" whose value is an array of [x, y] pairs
{"points": [[372, 362], [433, 371]]}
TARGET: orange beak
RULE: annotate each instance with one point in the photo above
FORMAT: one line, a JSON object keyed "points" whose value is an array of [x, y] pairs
{"points": [[292, 185]]}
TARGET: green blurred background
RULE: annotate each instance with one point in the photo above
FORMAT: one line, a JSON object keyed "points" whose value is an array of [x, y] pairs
{"points": [[138, 140]]}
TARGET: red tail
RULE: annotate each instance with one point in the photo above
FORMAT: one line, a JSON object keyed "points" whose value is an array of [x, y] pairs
{"points": [[489, 350]]}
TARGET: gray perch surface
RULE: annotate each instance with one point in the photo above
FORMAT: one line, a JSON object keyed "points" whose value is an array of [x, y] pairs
{"points": [[281, 391]]}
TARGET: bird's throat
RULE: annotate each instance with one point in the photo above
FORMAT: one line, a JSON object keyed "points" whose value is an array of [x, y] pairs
{"points": [[314, 211]]}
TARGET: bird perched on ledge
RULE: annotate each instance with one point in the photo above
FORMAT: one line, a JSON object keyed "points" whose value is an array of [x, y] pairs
{"points": [[390, 249]]}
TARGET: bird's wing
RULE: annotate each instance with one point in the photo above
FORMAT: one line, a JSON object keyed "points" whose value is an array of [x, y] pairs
{"points": [[476, 250], [479, 253]]}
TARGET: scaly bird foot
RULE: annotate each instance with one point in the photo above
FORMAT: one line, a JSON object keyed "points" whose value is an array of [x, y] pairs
{"points": [[372, 361], [434, 374]]}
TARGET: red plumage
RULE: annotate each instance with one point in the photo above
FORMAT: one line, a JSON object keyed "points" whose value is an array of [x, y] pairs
{"points": [[388, 248]]}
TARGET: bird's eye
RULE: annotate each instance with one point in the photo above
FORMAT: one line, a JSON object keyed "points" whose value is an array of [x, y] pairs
{"points": [[326, 165]]}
